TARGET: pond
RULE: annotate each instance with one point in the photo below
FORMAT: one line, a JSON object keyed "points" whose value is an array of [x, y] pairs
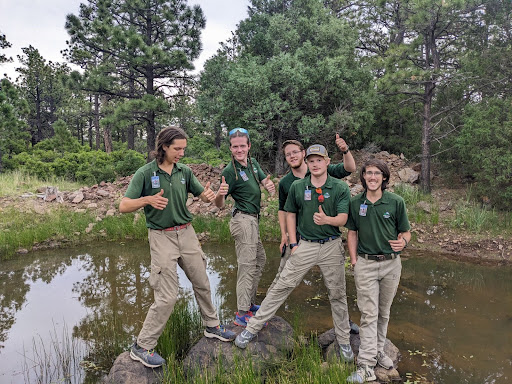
{"points": [[451, 321]]}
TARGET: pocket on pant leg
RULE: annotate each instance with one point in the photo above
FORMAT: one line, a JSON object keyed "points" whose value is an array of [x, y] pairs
{"points": [[155, 277]]}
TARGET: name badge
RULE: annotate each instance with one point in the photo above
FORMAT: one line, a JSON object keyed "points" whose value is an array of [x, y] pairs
{"points": [[155, 182], [362, 209], [244, 176], [307, 195]]}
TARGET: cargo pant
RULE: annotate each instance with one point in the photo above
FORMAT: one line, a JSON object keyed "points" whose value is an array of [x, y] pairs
{"points": [[250, 256], [168, 250], [376, 285], [282, 263], [330, 257]]}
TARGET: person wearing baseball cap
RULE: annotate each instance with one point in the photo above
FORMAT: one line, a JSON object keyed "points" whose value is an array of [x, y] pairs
{"points": [[316, 207]]}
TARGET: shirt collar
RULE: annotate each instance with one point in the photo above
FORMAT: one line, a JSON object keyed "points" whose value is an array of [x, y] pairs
{"points": [[383, 200]]}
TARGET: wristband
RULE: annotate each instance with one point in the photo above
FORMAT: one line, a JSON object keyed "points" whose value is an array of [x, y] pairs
{"points": [[293, 245], [345, 152], [406, 243]]}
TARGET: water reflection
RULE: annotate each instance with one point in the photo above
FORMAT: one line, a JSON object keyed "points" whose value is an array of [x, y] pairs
{"points": [[451, 321]]}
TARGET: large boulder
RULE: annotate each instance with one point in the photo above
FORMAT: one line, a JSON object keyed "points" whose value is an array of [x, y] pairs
{"points": [[127, 371], [273, 342], [331, 352]]}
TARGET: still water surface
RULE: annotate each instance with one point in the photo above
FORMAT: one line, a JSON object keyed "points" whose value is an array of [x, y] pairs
{"points": [[451, 321]]}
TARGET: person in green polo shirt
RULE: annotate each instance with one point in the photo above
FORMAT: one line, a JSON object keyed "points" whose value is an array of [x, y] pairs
{"points": [[378, 231], [162, 187], [316, 207], [241, 179]]}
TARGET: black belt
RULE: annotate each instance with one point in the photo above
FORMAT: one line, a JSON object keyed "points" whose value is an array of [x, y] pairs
{"points": [[321, 241], [385, 256], [236, 210]]}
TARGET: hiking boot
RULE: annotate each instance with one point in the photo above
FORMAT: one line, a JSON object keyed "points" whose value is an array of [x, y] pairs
{"points": [[147, 357], [384, 361], [346, 354], [243, 339], [242, 320], [354, 328], [363, 374], [254, 308], [220, 333]]}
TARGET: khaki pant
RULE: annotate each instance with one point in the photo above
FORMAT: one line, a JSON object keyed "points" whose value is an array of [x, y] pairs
{"points": [[376, 284], [168, 250], [330, 257], [250, 256], [284, 259]]}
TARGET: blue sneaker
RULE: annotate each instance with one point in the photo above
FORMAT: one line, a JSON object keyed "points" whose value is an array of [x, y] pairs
{"points": [[147, 357], [346, 353], [220, 333], [243, 339], [254, 308], [243, 319]]}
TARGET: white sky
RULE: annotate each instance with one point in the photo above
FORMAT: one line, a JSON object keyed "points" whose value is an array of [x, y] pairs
{"points": [[40, 23]]}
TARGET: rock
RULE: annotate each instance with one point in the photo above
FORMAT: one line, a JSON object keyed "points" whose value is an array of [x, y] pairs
{"points": [[22, 251], [110, 212], [92, 205], [78, 198], [89, 228], [331, 352], [127, 371], [424, 206], [273, 341], [408, 175], [102, 193], [80, 210]]}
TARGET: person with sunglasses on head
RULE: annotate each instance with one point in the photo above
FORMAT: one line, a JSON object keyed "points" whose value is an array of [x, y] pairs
{"points": [[316, 207], [378, 230], [242, 179], [294, 155], [161, 187]]}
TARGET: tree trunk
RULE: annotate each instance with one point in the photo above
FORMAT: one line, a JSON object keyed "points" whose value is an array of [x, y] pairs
{"points": [[89, 132], [107, 133], [426, 137], [97, 120], [130, 131], [279, 167]]}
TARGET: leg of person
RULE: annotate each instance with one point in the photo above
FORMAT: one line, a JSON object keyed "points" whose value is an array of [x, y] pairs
{"points": [[332, 264], [284, 258], [303, 259], [244, 231], [389, 279], [261, 259], [193, 263], [164, 281]]}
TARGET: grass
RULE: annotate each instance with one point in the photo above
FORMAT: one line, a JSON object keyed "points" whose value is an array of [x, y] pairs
{"points": [[16, 182]]}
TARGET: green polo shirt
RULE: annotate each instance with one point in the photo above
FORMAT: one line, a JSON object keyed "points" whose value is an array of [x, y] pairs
{"points": [[246, 193], [384, 220], [336, 200], [336, 170], [176, 187]]}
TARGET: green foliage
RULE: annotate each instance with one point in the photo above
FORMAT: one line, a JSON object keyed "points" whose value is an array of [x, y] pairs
{"points": [[200, 149], [485, 150]]}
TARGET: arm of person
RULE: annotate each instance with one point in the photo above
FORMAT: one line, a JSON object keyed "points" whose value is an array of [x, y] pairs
{"points": [[220, 197], [401, 242], [281, 216], [348, 160], [291, 225], [269, 185], [156, 201], [352, 246]]}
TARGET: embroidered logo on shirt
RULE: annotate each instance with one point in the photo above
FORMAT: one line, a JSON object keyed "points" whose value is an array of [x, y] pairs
{"points": [[182, 180], [387, 215], [326, 195]]}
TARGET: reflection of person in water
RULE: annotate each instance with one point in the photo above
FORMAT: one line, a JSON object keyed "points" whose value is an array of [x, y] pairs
{"points": [[162, 188]]}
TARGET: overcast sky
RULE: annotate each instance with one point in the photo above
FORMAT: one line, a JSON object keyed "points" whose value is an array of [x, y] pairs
{"points": [[40, 23]]}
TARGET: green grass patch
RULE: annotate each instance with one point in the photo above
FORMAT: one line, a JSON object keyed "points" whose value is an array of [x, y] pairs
{"points": [[15, 183]]}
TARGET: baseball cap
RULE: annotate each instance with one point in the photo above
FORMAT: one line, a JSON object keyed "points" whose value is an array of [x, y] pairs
{"points": [[317, 149]]}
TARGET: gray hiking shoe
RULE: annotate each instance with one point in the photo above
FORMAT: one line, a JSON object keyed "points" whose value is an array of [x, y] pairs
{"points": [[243, 339], [384, 360], [220, 333], [346, 354], [147, 357], [363, 374], [354, 328]]}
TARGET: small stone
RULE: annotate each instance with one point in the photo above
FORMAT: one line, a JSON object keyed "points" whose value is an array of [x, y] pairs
{"points": [[78, 198], [110, 212], [22, 251], [92, 205]]}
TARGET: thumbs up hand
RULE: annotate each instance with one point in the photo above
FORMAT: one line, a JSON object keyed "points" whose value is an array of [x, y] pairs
{"points": [[269, 185], [342, 145], [398, 244], [223, 188], [208, 193], [157, 201], [320, 218]]}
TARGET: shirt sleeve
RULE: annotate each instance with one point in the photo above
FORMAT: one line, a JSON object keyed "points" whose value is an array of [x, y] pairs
{"points": [[343, 202], [402, 224], [229, 175], [261, 174], [282, 196], [337, 170], [351, 222], [136, 186], [194, 186], [291, 203]]}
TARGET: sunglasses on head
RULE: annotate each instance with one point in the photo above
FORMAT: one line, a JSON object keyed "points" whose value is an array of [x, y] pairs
{"points": [[241, 130], [320, 195]]}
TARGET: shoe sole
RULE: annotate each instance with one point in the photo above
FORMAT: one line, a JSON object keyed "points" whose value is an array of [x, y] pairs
{"points": [[241, 346], [215, 336], [137, 358]]}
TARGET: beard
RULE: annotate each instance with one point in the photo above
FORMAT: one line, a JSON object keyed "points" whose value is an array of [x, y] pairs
{"points": [[296, 166]]}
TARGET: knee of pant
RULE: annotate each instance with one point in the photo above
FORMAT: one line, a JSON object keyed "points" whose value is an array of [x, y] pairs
{"points": [[337, 293], [368, 318]]}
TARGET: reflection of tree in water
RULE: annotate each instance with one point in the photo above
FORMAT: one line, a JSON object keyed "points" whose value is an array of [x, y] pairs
{"points": [[14, 283]]}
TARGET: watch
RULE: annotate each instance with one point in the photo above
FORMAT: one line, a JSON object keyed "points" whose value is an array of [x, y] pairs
{"points": [[345, 152], [293, 245]]}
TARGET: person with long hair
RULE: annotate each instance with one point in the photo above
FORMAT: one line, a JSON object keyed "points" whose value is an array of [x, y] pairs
{"points": [[378, 230], [241, 179], [161, 187]]}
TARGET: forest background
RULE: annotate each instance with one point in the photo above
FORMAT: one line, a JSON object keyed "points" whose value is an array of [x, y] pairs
{"points": [[427, 78]]}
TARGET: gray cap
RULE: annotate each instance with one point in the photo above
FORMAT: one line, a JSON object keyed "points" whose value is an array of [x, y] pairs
{"points": [[317, 149]]}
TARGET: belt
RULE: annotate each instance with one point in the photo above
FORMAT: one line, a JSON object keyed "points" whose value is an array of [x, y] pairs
{"points": [[385, 256], [236, 210], [321, 241], [177, 227]]}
